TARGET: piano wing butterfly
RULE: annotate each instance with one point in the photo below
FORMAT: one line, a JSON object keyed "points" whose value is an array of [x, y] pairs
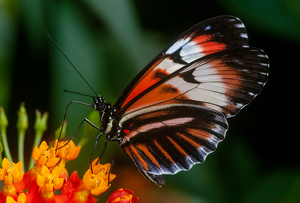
{"points": [[174, 112]]}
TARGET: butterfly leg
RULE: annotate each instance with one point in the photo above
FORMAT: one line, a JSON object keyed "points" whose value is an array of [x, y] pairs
{"points": [[85, 119], [113, 160], [65, 115], [95, 145], [105, 145]]}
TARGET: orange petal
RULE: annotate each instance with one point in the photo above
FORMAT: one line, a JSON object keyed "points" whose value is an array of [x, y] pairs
{"points": [[40, 181]]}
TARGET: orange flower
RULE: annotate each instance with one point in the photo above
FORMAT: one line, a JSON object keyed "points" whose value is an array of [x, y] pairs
{"points": [[122, 196], [38, 184], [97, 181], [93, 183], [68, 152], [21, 199], [49, 180], [45, 156], [10, 174]]}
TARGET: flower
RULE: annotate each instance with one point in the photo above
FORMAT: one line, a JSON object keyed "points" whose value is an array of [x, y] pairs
{"points": [[97, 183], [45, 155], [93, 183], [11, 174], [122, 196], [69, 151], [49, 173], [21, 199], [49, 180]]}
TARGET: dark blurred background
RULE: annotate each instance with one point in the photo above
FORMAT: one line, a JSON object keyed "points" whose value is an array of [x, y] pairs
{"points": [[110, 41]]}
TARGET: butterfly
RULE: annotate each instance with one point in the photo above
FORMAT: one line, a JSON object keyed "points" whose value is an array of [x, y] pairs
{"points": [[174, 112]]}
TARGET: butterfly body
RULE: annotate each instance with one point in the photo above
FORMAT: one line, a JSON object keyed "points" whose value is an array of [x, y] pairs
{"points": [[174, 112]]}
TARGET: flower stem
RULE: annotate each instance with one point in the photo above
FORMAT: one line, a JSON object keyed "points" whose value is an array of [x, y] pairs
{"points": [[22, 125], [3, 125], [40, 126], [21, 138]]}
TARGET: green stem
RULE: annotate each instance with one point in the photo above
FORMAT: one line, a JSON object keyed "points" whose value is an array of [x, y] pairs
{"points": [[40, 126], [5, 146], [21, 138], [3, 126], [22, 125]]}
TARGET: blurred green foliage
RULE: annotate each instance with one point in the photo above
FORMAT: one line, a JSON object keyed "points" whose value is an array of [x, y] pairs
{"points": [[109, 45]]}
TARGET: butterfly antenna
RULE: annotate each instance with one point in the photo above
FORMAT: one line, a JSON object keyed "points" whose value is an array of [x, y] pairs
{"points": [[86, 95], [70, 62]]}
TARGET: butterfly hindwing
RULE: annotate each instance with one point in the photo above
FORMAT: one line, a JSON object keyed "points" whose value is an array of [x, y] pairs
{"points": [[207, 37], [171, 138]]}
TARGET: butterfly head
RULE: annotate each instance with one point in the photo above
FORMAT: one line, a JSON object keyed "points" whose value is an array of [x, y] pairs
{"points": [[100, 104]]}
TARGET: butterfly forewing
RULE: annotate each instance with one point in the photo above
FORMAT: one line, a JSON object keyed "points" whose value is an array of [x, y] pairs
{"points": [[207, 37], [225, 81]]}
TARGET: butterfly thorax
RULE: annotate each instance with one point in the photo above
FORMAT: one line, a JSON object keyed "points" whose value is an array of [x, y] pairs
{"points": [[105, 113], [108, 122]]}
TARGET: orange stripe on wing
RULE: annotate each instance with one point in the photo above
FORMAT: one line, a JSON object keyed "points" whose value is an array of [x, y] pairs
{"points": [[147, 80], [199, 133], [189, 140], [126, 149], [208, 46], [145, 149], [163, 151], [138, 156], [161, 93], [177, 147]]}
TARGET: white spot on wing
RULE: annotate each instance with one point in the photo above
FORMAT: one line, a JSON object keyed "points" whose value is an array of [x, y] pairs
{"points": [[214, 87], [177, 45], [205, 69], [150, 126], [190, 48], [244, 35], [208, 96], [262, 55], [240, 25], [180, 84], [191, 51], [177, 121], [192, 57], [251, 94], [169, 66], [207, 27]]}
